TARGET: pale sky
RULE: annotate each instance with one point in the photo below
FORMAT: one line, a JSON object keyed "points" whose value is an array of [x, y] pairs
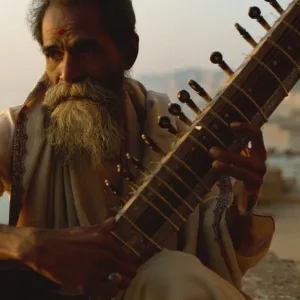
{"points": [[173, 33]]}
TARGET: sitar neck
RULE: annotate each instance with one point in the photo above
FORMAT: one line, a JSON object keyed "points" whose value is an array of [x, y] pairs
{"points": [[170, 194]]}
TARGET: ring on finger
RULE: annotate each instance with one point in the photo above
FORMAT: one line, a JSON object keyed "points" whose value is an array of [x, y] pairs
{"points": [[115, 277]]}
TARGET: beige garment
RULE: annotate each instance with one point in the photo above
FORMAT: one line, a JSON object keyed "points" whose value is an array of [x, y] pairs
{"points": [[172, 275], [58, 197]]}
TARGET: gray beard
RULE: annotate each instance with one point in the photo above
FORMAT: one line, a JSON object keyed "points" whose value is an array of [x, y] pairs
{"points": [[84, 123]]}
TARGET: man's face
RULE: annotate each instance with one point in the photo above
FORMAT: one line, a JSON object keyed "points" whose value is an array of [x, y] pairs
{"points": [[86, 80], [77, 48]]}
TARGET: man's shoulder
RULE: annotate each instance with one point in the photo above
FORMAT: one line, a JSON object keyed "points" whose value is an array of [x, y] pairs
{"points": [[157, 98], [158, 103], [8, 118]]}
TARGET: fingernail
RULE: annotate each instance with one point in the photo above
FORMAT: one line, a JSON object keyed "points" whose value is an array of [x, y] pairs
{"points": [[109, 223], [235, 125], [214, 151]]}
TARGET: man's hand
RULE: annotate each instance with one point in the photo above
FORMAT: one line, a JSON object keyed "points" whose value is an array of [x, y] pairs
{"points": [[80, 258], [250, 170]]}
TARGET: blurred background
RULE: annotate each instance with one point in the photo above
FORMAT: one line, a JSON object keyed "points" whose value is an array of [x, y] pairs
{"points": [[177, 38]]}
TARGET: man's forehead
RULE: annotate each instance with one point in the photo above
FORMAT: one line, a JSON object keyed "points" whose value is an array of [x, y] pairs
{"points": [[63, 21]]}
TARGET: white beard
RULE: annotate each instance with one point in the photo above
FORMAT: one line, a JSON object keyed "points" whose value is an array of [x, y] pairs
{"points": [[82, 125]]}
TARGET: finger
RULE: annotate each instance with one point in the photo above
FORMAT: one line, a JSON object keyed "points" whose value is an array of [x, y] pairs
{"points": [[108, 225], [254, 134], [110, 264], [128, 269], [107, 262], [249, 178], [117, 249], [238, 160]]}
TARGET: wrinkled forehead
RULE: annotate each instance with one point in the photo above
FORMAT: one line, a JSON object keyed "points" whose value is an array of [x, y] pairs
{"points": [[64, 22]]}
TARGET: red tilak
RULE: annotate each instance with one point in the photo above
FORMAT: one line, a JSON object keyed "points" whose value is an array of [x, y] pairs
{"points": [[62, 31]]}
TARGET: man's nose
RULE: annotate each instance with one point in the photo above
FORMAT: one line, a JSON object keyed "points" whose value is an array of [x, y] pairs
{"points": [[71, 71]]}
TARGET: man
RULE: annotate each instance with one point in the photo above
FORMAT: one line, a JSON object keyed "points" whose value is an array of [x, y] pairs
{"points": [[69, 138]]}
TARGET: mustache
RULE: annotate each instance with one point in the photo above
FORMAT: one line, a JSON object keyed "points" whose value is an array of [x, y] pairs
{"points": [[90, 90]]}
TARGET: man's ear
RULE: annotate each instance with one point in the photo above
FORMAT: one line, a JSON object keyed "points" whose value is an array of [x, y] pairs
{"points": [[130, 54]]}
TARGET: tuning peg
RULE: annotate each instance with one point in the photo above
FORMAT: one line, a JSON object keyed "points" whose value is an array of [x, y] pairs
{"points": [[217, 59], [125, 173], [165, 123], [276, 5], [175, 110], [112, 188], [255, 13], [153, 146], [199, 90], [185, 97], [246, 35], [136, 163]]}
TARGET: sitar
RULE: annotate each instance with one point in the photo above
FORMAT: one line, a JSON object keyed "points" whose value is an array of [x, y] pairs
{"points": [[166, 197]]}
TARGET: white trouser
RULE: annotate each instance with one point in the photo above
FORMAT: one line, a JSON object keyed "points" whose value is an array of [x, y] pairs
{"points": [[172, 275]]}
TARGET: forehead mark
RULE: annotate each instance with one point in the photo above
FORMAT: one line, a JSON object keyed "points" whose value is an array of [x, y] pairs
{"points": [[62, 32]]}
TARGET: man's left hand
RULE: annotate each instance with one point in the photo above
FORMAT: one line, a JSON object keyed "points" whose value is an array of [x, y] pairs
{"points": [[249, 169]]}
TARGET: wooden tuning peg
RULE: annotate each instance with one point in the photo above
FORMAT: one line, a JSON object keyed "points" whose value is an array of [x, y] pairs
{"points": [[112, 188], [125, 173], [153, 146], [246, 35], [136, 163], [276, 5], [175, 110], [255, 14], [165, 123], [199, 90], [217, 59], [185, 97]]}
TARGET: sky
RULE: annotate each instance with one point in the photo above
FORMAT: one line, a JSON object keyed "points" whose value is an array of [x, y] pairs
{"points": [[174, 34]]}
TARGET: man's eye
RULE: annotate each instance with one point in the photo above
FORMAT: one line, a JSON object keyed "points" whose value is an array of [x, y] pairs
{"points": [[55, 55]]}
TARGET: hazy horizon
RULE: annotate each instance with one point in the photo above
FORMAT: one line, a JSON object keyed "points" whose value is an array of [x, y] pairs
{"points": [[174, 34]]}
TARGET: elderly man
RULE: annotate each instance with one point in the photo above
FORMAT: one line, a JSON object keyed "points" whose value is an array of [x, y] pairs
{"points": [[58, 149]]}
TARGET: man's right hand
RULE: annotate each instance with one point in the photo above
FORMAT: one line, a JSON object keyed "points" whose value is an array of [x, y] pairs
{"points": [[80, 258]]}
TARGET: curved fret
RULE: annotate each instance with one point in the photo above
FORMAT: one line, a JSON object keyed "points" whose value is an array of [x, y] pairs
{"points": [[183, 182], [271, 72], [148, 238], [251, 99], [172, 190], [284, 52], [167, 202], [125, 244], [211, 133], [160, 212], [186, 166], [236, 108], [291, 27], [214, 114], [175, 193], [200, 181], [198, 143]]}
